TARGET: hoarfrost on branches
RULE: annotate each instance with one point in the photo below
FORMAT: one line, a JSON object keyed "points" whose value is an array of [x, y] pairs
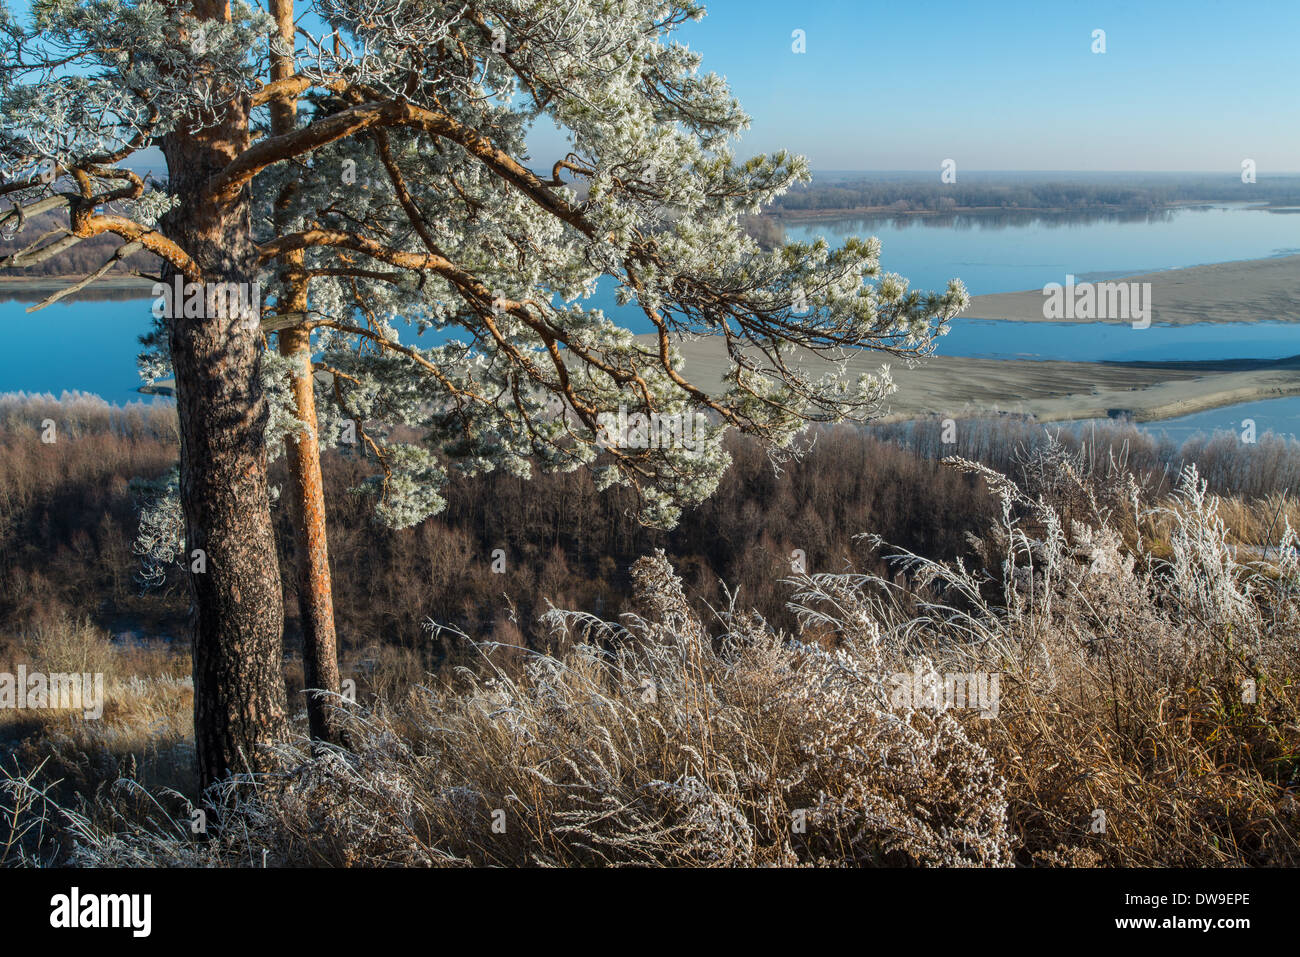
{"points": [[401, 197]]}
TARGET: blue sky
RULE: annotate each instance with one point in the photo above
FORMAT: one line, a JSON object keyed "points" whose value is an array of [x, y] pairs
{"points": [[1184, 85], [1194, 85]]}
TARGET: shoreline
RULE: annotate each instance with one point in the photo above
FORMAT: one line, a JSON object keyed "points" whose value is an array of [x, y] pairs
{"points": [[55, 283], [852, 212], [1065, 391], [111, 288], [1251, 290], [1242, 290], [1048, 390]]}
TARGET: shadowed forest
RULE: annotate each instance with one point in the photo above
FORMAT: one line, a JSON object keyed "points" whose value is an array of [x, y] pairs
{"points": [[69, 520]]}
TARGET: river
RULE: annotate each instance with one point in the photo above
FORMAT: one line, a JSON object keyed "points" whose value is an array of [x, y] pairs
{"points": [[92, 346]]}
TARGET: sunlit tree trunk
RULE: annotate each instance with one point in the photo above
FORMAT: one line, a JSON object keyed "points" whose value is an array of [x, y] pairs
{"points": [[306, 496], [306, 493]]}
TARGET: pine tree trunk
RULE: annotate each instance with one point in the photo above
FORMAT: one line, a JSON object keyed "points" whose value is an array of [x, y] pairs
{"points": [[306, 496], [306, 491], [239, 689]]}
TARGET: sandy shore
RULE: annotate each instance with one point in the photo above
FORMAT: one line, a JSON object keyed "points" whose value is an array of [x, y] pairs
{"points": [[35, 288], [1050, 391], [1247, 291], [1251, 290], [1053, 391], [47, 284]]}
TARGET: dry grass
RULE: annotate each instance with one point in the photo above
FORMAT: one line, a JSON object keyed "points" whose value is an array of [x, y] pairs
{"points": [[145, 730], [1152, 675], [1148, 683]]}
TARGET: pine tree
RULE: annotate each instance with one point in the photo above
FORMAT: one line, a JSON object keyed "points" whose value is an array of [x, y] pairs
{"points": [[365, 162]]}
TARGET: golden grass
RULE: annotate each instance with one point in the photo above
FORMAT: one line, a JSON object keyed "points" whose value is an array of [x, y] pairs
{"points": [[1148, 714]]}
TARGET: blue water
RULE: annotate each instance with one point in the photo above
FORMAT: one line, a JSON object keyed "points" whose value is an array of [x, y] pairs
{"points": [[92, 346], [1278, 416], [86, 346], [989, 257]]}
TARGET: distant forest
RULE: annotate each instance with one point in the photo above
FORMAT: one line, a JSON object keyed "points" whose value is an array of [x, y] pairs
{"points": [[68, 518], [78, 260], [910, 193]]}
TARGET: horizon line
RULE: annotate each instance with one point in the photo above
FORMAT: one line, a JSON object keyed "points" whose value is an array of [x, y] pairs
{"points": [[1087, 172]]}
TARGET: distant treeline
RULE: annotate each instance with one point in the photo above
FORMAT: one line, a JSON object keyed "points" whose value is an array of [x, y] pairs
{"points": [[894, 193], [913, 194], [78, 260]]}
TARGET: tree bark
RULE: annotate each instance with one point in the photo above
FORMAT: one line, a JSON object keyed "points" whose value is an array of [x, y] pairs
{"points": [[239, 689], [306, 489], [311, 551]]}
